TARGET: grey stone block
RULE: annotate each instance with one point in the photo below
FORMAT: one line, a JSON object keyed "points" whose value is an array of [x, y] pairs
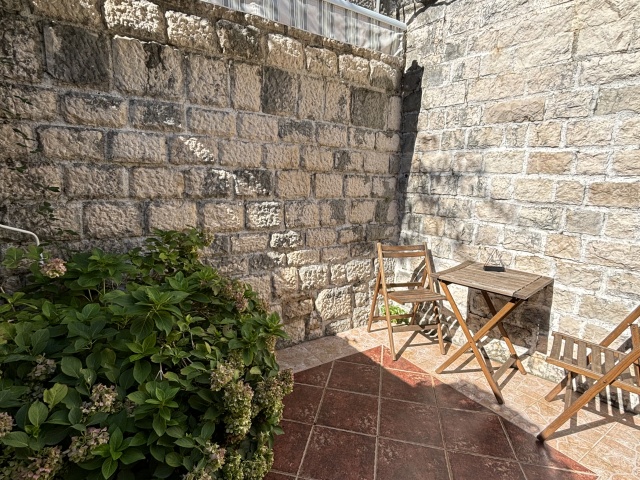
{"points": [[98, 110], [254, 183], [20, 42], [151, 115], [279, 92], [208, 183], [368, 108], [77, 56], [296, 131], [239, 41]]}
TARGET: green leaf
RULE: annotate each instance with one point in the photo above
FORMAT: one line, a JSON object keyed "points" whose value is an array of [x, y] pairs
{"points": [[109, 467], [142, 326], [38, 413], [185, 442], [59, 417], [116, 439], [173, 459], [12, 257], [138, 397], [16, 439], [207, 430], [39, 340], [75, 415], [55, 394], [131, 455], [89, 375], [159, 425], [71, 366], [141, 371]]}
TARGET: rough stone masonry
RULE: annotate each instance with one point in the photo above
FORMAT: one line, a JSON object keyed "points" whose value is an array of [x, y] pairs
{"points": [[521, 133], [175, 113]]}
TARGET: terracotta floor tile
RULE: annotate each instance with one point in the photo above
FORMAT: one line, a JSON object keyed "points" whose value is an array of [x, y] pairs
{"points": [[411, 422], [289, 447], [448, 397], [475, 432], [409, 386], [355, 378], [600, 439], [314, 376], [302, 404], [403, 461], [349, 411], [529, 450], [474, 467], [368, 357], [337, 455], [535, 472], [278, 476], [400, 364]]}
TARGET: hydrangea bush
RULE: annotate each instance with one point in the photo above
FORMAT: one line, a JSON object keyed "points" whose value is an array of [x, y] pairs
{"points": [[136, 366]]}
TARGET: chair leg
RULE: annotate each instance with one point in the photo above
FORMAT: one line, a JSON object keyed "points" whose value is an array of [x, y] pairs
{"points": [[558, 388], [438, 316], [374, 303], [389, 328], [580, 402]]}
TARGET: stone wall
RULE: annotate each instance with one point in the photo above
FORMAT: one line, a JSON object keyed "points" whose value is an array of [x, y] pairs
{"points": [[521, 133], [177, 113]]}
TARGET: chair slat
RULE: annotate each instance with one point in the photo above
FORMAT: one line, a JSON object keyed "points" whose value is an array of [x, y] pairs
{"points": [[567, 355], [402, 254], [555, 348], [596, 359], [582, 354], [402, 248], [609, 360]]}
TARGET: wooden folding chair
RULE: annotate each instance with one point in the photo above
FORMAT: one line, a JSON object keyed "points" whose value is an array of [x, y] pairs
{"points": [[608, 367], [413, 292]]}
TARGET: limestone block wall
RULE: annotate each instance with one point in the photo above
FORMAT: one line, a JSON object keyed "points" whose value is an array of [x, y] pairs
{"points": [[175, 113], [521, 133]]}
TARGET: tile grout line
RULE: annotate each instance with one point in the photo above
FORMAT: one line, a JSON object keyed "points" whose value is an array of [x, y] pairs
{"points": [[515, 455], [444, 445], [315, 419], [375, 457]]}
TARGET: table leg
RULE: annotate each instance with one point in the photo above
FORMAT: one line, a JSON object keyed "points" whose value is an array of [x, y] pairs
{"points": [[501, 315], [504, 334], [471, 343]]}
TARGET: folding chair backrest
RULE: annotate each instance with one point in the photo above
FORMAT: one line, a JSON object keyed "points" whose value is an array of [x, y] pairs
{"points": [[406, 251], [632, 317]]}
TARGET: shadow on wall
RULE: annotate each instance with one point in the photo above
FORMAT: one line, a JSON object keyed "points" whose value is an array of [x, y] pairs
{"points": [[434, 209]]}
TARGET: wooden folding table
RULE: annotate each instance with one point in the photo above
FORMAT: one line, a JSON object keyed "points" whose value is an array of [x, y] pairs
{"points": [[518, 286]]}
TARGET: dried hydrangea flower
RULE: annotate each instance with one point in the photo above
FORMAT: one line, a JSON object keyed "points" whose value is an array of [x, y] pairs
{"points": [[103, 399], [45, 466], [6, 423], [80, 448], [43, 369], [237, 402], [232, 469], [269, 394], [53, 268]]}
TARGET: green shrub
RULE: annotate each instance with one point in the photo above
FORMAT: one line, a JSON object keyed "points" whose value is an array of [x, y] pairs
{"points": [[136, 366]]}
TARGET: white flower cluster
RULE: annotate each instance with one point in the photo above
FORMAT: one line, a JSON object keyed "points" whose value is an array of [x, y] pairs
{"points": [[54, 268]]}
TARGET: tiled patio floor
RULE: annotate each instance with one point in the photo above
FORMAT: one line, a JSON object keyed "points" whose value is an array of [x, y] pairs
{"points": [[361, 416]]}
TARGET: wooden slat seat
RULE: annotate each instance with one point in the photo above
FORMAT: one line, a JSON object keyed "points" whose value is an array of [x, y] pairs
{"points": [[415, 292], [597, 361], [586, 358]]}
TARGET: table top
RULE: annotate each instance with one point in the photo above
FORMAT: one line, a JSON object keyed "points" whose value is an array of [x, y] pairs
{"points": [[512, 283]]}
